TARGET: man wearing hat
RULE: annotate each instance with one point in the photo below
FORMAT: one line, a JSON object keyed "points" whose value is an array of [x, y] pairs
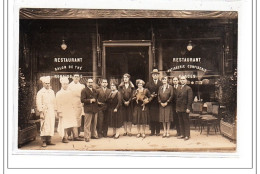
{"points": [[76, 87], [46, 105], [153, 87]]}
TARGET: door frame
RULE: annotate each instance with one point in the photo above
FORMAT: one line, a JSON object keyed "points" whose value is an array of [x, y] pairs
{"points": [[127, 43]]}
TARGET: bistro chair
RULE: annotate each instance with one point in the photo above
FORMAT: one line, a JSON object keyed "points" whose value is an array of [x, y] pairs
{"points": [[196, 113], [210, 120]]}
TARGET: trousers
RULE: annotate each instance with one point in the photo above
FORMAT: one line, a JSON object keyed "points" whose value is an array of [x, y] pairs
{"points": [[184, 122], [90, 124]]}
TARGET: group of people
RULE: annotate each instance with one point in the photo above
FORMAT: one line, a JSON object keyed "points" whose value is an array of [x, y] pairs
{"points": [[150, 104]]}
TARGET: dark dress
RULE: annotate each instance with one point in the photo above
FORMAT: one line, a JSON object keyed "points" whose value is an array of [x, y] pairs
{"points": [[114, 118], [141, 114], [126, 93], [165, 113]]}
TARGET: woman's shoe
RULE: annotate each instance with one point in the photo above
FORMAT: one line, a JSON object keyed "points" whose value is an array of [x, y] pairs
{"points": [[138, 135], [164, 135], [113, 136], [168, 135], [143, 135], [125, 134]]}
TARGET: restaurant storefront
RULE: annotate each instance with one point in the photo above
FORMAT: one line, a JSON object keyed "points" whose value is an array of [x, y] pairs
{"points": [[201, 46]]}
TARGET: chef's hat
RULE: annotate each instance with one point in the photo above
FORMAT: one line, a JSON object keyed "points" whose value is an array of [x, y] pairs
{"points": [[45, 79], [64, 80]]}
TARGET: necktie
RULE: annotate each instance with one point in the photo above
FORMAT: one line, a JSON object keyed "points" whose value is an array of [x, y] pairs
{"points": [[155, 81]]}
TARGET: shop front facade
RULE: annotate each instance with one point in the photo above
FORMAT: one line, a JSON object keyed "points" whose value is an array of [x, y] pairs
{"points": [[201, 46]]}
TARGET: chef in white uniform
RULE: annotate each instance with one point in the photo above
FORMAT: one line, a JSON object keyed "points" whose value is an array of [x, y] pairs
{"points": [[76, 87], [46, 105], [65, 109]]}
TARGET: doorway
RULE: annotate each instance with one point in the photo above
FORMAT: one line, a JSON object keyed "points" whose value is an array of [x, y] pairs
{"points": [[133, 57]]}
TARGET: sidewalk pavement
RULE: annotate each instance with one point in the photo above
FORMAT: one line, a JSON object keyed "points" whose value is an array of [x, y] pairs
{"points": [[197, 143]]}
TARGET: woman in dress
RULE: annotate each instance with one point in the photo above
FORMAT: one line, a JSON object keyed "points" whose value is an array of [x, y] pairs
{"points": [[126, 89], [165, 96], [114, 110], [141, 97]]}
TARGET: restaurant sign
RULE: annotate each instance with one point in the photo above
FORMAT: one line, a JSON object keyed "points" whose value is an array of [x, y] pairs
{"points": [[68, 64], [187, 63]]}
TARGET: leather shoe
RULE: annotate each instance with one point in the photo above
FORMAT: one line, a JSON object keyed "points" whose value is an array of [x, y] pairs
{"points": [[186, 138], [125, 134], [104, 135], [151, 134], [100, 135], [44, 144], [50, 143], [77, 139], [129, 134], [158, 134], [87, 139], [93, 137], [65, 140], [180, 137], [113, 136]]}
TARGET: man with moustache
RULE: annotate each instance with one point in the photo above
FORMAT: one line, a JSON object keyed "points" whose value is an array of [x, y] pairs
{"points": [[183, 107], [102, 96], [153, 87], [89, 98]]}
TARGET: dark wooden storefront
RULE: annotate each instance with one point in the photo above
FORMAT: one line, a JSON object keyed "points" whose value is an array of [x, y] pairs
{"points": [[110, 47]]}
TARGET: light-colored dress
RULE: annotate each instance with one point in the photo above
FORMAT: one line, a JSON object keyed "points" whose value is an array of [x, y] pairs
{"points": [[76, 89], [46, 103], [65, 107]]}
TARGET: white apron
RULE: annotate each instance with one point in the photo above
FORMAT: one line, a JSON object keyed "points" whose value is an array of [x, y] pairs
{"points": [[45, 101], [76, 94], [66, 107]]}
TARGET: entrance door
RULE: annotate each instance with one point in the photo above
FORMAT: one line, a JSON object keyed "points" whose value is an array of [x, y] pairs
{"points": [[121, 57]]}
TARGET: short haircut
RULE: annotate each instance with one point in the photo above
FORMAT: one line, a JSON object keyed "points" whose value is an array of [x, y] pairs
{"points": [[175, 78], [103, 80], [183, 76], [113, 82], [165, 77], [139, 81], [128, 75], [76, 74], [89, 79]]}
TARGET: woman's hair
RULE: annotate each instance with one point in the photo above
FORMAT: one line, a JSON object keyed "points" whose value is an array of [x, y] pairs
{"points": [[128, 75], [113, 82], [165, 77], [139, 81]]}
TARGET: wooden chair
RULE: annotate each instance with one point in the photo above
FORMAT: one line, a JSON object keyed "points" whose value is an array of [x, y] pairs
{"points": [[209, 120], [196, 113]]}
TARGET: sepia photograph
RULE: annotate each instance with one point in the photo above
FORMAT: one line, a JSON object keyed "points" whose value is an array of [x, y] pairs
{"points": [[127, 80]]}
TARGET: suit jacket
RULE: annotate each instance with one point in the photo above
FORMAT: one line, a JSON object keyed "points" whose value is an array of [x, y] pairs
{"points": [[153, 88], [86, 95], [102, 97], [174, 98], [184, 98]]}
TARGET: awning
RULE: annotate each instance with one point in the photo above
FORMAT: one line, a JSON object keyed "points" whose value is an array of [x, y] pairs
{"points": [[48, 13]]}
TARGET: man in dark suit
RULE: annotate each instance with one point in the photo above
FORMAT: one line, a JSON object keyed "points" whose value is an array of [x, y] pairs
{"points": [[153, 87], [183, 107], [89, 98], [176, 124], [102, 96]]}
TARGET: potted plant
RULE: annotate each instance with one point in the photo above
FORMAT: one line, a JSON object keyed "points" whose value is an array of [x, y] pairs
{"points": [[26, 131], [227, 96]]}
